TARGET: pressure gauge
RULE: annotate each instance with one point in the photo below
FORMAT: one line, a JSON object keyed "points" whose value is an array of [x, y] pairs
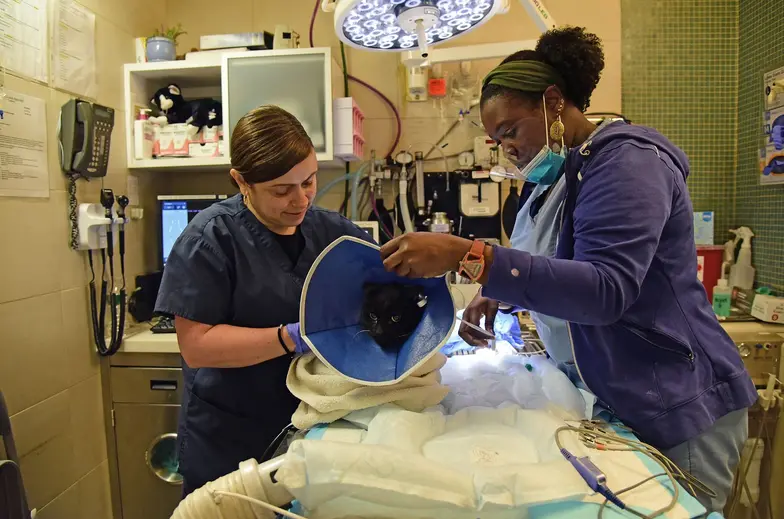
{"points": [[466, 159], [404, 157], [744, 350], [498, 174]]}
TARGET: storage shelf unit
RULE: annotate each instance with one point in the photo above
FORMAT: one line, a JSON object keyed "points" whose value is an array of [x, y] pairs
{"points": [[211, 78]]}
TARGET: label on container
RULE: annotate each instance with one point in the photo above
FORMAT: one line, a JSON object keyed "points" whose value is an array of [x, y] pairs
{"points": [[700, 267]]}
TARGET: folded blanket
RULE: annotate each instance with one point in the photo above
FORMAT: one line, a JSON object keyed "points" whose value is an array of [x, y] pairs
{"points": [[326, 395]]}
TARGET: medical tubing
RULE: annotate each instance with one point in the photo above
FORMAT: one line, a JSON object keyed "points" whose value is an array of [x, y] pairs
{"points": [[333, 183], [404, 212], [391, 106], [354, 189], [252, 481], [382, 225], [313, 22], [654, 454], [346, 75]]}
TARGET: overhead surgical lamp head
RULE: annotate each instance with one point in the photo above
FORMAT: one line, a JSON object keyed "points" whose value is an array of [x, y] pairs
{"points": [[399, 25], [413, 26]]}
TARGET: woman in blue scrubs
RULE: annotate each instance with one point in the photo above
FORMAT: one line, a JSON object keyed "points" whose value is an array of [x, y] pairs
{"points": [[233, 282], [604, 257]]}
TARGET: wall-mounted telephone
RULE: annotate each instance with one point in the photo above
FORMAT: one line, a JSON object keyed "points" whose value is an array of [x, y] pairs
{"points": [[85, 132]]}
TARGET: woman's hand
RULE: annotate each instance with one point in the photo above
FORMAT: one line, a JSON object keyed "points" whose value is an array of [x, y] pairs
{"points": [[479, 307], [292, 336], [424, 254]]}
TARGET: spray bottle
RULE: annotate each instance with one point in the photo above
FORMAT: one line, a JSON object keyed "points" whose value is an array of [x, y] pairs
{"points": [[742, 273], [722, 294]]}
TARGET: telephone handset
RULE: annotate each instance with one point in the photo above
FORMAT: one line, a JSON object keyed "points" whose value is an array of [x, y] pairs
{"points": [[85, 133]]}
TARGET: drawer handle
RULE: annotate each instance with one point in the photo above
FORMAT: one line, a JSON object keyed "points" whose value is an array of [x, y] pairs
{"points": [[163, 385]]}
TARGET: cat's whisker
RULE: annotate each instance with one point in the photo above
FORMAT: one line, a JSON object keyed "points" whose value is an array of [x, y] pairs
{"points": [[359, 333]]}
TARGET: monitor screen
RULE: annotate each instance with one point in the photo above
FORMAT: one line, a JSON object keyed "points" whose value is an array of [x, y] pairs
{"points": [[176, 212]]}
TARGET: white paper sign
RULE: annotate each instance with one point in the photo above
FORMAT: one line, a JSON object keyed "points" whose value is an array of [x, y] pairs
{"points": [[73, 56], [23, 37], [23, 166]]}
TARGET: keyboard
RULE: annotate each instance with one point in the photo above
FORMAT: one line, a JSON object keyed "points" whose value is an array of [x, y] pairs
{"points": [[164, 325]]}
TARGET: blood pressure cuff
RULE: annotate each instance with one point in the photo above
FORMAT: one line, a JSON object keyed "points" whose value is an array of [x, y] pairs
{"points": [[331, 307]]}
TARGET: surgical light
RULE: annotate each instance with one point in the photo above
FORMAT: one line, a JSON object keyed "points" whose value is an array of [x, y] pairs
{"points": [[420, 22]]}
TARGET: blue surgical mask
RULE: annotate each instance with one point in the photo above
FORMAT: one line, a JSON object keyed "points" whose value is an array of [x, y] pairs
{"points": [[544, 167]]}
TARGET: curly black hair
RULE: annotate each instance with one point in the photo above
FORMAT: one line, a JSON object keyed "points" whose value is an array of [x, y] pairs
{"points": [[578, 57]]}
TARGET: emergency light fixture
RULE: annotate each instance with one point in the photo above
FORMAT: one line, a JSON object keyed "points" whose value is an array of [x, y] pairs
{"points": [[415, 25]]}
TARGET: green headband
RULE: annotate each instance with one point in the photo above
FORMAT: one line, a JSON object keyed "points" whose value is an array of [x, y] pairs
{"points": [[526, 76]]}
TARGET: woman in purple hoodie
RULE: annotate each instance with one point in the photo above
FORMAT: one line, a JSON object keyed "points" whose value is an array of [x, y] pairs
{"points": [[615, 271]]}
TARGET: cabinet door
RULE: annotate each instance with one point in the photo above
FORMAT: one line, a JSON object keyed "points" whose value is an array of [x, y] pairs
{"points": [[297, 80], [146, 457]]}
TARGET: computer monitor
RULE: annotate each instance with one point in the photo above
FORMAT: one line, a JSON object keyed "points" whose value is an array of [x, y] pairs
{"points": [[176, 212]]}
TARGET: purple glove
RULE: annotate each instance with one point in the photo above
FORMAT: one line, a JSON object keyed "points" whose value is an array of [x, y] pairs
{"points": [[300, 346]]}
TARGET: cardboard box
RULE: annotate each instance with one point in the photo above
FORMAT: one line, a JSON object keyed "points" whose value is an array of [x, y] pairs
{"points": [[174, 141], [703, 228], [768, 308], [744, 299], [254, 40], [208, 149]]}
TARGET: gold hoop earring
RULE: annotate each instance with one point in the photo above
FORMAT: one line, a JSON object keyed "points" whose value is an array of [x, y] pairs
{"points": [[245, 198]]}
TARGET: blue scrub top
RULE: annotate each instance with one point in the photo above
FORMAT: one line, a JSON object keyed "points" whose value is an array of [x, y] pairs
{"points": [[228, 268]]}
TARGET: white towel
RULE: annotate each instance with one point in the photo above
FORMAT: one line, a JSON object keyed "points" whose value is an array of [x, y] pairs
{"points": [[326, 395]]}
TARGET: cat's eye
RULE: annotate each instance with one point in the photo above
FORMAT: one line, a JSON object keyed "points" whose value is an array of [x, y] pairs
{"points": [[395, 318], [373, 317]]}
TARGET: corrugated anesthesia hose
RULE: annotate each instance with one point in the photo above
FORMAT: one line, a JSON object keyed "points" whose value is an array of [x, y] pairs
{"points": [[218, 499]]}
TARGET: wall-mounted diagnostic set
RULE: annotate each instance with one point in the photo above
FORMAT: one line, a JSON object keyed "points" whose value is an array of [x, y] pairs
{"points": [[84, 134]]}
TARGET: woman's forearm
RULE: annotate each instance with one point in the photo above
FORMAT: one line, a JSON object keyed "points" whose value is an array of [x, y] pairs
{"points": [[227, 346]]}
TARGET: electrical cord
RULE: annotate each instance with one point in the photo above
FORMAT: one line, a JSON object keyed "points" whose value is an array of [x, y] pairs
{"points": [[347, 76], [596, 480], [117, 295], [258, 502], [381, 225], [73, 218]]}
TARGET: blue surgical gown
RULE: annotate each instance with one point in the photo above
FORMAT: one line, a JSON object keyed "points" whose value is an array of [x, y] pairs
{"points": [[228, 268]]}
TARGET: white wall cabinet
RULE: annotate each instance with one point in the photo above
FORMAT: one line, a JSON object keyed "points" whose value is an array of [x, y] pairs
{"points": [[302, 81]]}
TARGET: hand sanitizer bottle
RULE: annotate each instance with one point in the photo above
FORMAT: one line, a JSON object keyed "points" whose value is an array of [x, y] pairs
{"points": [[722, 295]]}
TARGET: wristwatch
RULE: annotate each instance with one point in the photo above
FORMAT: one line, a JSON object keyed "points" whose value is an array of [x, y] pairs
{"points": [[473, 263]]}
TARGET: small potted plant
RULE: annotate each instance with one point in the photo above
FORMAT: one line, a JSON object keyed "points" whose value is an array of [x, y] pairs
{"points": [[162, 44]]}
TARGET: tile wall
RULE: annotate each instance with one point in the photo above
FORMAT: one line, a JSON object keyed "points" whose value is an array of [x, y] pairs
{"points": [[761, 208], [680, 75], [49, 372]]}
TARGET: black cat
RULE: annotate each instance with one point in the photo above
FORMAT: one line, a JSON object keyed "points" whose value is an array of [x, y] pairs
{"points": [[391, 312]]}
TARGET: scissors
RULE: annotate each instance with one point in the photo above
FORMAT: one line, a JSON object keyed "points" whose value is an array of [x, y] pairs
{"points": [[482, 333]]}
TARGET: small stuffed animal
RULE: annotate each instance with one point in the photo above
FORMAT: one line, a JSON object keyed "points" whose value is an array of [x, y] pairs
{"points": [[175, 109], [171, 105]]}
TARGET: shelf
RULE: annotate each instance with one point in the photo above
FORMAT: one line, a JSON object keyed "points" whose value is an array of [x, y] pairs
{"points": [[193, 74], [181, 163]]}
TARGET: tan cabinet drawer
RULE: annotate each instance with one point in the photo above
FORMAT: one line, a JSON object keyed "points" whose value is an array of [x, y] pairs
{"points": [[147, 385]]}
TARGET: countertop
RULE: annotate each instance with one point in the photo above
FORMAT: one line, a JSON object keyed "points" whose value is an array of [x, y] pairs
{"points": [[148, 342]]}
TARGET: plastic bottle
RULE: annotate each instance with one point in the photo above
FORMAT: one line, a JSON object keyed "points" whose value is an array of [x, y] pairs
{"points": [[722, 294], [143, 136], [722, 298], [742, 273]]}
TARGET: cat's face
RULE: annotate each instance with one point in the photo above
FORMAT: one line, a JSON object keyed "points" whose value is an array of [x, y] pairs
{"points": [[391, 312]]}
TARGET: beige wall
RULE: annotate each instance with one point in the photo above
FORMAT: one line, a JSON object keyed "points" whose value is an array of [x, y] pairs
{"points": [[49, 371], [423, 121]]}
